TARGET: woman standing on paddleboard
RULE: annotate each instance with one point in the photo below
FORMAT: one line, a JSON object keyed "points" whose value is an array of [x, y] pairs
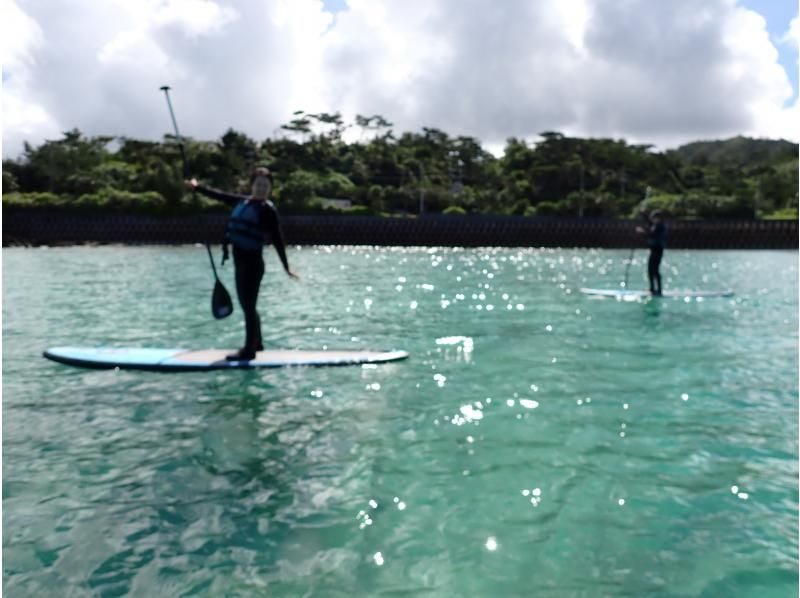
{"points": [[657, 241], [253, 223]]}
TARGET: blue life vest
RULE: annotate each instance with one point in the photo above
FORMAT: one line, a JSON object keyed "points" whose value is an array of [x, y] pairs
{"points": [[657, 235], [244, 226]]}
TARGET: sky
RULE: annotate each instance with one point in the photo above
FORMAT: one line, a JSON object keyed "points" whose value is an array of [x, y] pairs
{"points": [[661, 72]]}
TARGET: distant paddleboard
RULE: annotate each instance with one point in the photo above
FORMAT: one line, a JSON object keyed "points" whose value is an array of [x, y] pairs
{"points": [[635, 294], [181, 360]]}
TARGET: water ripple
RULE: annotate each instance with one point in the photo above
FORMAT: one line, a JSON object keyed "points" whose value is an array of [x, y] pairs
{"points": [[550, 444]]}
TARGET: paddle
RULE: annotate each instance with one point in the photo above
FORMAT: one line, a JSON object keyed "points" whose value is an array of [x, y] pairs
{"points": [[221, 304], [630, 258], [628, 267]]}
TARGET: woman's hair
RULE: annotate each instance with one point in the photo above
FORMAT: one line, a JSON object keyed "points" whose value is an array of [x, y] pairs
{"points": [[261, 182], [261, 171]]}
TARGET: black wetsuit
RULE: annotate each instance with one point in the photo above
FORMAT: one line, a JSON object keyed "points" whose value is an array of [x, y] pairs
{"points": [[249, 264], [657, 241]]}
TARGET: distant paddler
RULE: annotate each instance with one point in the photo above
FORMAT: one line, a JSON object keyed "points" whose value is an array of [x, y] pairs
{"points": [[253, 223], [656, 240]]}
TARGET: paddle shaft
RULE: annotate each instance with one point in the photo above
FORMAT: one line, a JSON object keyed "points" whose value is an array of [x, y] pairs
{"points": [[628, 267], [165, 89], [630, 258], [211, 259]]}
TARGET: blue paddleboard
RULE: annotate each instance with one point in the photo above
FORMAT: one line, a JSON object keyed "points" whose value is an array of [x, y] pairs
{"points": [[181, 360], [631, 294]]}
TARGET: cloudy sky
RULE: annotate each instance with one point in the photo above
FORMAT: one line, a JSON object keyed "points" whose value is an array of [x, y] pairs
{"points": [[650, 71]]}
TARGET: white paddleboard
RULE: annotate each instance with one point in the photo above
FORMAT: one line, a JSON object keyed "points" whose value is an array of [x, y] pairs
{"points": [[636, 294], [179, 360]]}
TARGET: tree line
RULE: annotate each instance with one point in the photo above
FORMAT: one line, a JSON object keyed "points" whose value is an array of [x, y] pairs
{"points": [[428, 171]]}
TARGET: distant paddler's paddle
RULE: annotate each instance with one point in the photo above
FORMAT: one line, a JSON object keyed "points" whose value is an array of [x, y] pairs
{"points": [[630, 257], [628, 267], [221, 304]]}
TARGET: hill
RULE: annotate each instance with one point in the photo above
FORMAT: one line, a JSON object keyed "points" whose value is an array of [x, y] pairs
{"points": [[741, 152]]}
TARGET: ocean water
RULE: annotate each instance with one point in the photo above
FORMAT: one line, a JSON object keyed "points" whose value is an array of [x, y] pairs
{"points": [[537, 442]]}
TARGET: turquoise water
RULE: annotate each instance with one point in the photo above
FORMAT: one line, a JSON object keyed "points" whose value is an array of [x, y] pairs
{"points": [[537, 442]]}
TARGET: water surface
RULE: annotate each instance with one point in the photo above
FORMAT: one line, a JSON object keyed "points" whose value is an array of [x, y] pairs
{"points": [[537, 442]]}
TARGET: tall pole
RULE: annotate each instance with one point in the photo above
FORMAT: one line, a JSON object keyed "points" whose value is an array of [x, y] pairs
{"points": [[421, 191], [165, 89], [50, 164]]}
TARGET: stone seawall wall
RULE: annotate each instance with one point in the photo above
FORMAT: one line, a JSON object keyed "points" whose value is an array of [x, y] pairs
{"points": [[50, 228]]}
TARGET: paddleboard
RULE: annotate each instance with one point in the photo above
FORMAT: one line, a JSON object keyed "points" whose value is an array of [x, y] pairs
{"points": [[180, 360], [636, 294]]}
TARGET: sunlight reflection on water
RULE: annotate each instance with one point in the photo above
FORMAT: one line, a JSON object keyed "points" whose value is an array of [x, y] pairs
{"points": [[632, 438]]}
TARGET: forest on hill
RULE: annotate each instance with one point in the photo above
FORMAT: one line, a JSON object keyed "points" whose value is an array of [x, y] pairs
{"points": [[429, 171]]}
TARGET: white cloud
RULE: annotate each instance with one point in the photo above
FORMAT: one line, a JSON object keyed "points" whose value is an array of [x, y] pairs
{"points": [[671, 72], [753, 74], [650, 72], [660, 72], [21, 37], [195, 17], [101, 68], [792, 36], [30, 121]]}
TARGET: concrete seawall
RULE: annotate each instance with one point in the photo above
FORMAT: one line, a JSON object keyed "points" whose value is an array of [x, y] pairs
{"points": [[52, 228]]}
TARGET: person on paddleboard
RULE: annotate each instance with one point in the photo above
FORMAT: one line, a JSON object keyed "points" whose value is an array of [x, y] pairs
{"points": [[657, 240], [253, 223]]}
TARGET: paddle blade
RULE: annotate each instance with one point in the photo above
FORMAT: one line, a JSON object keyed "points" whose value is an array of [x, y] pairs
{"points": [[221, 304]]}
